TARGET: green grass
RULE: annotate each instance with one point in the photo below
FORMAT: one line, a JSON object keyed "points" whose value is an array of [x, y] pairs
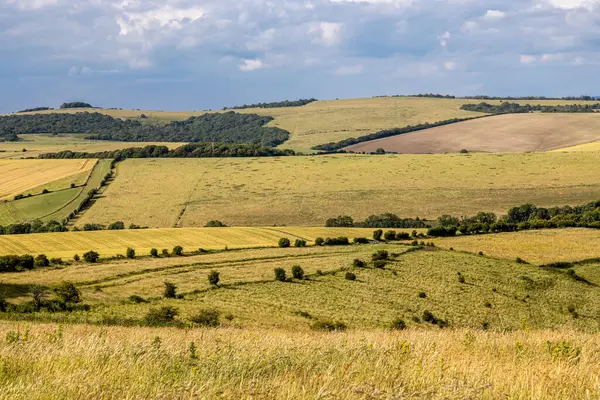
{"points": [[308, 190]]}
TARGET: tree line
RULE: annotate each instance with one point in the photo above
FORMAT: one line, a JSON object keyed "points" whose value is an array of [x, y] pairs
{"points": [[386, 220], [515, 108], [227, 127], [276, 104], [35, 109], [76, 104]]}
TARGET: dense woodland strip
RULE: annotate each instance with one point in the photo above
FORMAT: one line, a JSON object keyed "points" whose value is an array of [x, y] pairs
{"points": [[35, 109], [76, 104], [192, 150], [276, 104], [334, 146], [226, 127], [479, 97], [515, 108]]}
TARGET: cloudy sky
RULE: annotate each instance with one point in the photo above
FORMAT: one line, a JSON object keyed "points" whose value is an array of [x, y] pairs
{"points": [[192, 55]]}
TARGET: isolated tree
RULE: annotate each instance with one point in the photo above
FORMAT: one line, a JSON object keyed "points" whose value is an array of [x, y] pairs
{"points": [[280, 274], [68, 293], [41, 261], [284, 242], [91, 256], [170, 291], [130, 253], [213, 278], [377, 234], [154, 252], [297, 272], [177, 250]]}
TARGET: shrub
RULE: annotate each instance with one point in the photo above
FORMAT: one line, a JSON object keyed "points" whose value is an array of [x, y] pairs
{"points": [[116, 226], [350, 276], [3, 303], [358, 263], [377, 234], [130, 253], [339, 241], [56, 261], [41, 261], [213, 278], [215, 224], [330, 326], [422, 295], [207, 318], [177, 251], [487, 304], [398, 324], [297, 272], [300, 243], [380, 255], [480, 253], [284, 242], [280, 274], [165, 252], [402, 236], [521, 261], [319, 241], [390, 235], [170, 291], [360, 240], [461, 278], [154, 253], [91, 256], [137, 299], [379, 264], [161, 316], [68, 293], [76, 257], [442, 231]]}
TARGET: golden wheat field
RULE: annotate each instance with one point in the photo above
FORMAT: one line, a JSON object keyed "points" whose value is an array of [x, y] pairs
{"points": [[309, 190], [112, 243], [539, 247], [18, 176], [593, 146], [497, 134], [50, 361]]}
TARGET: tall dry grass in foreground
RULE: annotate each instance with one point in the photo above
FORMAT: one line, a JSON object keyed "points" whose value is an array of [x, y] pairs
{"points": [[47, 361]]}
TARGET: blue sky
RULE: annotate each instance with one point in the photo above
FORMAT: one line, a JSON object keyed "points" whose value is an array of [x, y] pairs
{"points": [[193, 55]]}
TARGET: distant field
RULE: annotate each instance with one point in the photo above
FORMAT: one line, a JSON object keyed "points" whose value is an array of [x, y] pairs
{"points": [[539, 247], [19, 176], [333, 120], [593, 146], [502, 134], [37, 144], [308, 190], [56, 205], [111, 243]]}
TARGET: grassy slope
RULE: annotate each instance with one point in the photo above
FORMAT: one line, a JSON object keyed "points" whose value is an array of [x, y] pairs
{"points": [[52, 206], [500, 134], [308, 190]]}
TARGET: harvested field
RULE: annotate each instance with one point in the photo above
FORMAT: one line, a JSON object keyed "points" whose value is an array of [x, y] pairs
{"points": [[501, 134], [307, 191], [18, 176]]}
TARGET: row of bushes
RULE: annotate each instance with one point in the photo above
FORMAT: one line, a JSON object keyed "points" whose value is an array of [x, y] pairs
{"points": [[386, 220]]}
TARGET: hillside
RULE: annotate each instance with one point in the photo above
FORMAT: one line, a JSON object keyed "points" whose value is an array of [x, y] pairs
{"points": [[309, 190], [503, 133]]}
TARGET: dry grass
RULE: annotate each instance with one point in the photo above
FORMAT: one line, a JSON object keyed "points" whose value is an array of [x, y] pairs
{"points": [[539, 247], [593, 146], [139, 363], [18, 176], [112, 243], [502, 133], [309, 190]]}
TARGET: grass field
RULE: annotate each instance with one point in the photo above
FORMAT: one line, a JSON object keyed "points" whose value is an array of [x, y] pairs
{"points": [[37, 144], [333, 120], [539, 247], [593, 146], [309, 190], [19, 176], [112, 243], [106, 363], [502, 133], [56, 205]]}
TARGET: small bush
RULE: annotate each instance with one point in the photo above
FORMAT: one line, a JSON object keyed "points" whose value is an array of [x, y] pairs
{"points": [[377, 234], [398, 324], [300, 243], [91, 257], [137, 299], [350, 276], [573, 311], [170, 291], [379, 264], [56, 261], [41, 261], [461, 279], [319, 241], [422, 295], [154, 252], [130, 253], [297, 272], [487, 304], [521, 261], [161, 316], [319, 272], [208, 318], [215, 224], [116, 226], [432, 319], [480, 253], [360, 240], [165, 252], [214, 277], [339, 241], [358, 263], [330, 326], [76, 257], [390, 235], [68, 293], [402, 236], [280, 274], [380, 255], [284, 242], [177, 251]]}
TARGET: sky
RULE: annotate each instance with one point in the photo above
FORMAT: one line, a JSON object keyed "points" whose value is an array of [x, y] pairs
{"points": [[195, 55]]}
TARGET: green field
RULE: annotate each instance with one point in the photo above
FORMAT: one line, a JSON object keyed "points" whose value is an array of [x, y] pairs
{"points": [[309, 190], [56, 205]]}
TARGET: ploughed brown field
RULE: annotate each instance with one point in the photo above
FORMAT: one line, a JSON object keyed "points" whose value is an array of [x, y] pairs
{"points": [[502, 133]]}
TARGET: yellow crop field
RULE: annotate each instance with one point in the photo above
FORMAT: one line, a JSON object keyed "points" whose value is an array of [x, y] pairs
{"points": [[36, 144], [593, 146], [307, 191], [539, 247], [112, 243], [18, 176]]}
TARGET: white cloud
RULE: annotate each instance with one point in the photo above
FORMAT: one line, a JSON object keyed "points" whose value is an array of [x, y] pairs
{"points": [[328, 33], [450, 65], [166, 16], [494, 14], [527, 59], [32, 4], [349, 70], [571, 4], [251, 65], [444, 39]]}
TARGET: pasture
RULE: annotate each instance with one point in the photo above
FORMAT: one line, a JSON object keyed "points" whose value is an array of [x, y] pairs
{"points": [[20, 176], [498, 134], [299, 191]]}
